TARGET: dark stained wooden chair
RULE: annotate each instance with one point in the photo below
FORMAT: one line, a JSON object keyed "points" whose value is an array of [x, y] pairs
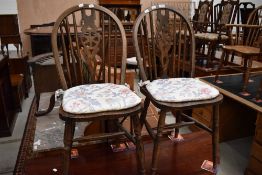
{"points": [[203, 16], [202, 22], [224, 13], [93, 86], [245, 9], [9, 33], [166, 60], [246, 45]]}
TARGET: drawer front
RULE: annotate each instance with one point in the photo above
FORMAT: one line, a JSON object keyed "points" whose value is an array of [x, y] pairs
{"points": [[248, 172], [255, 166], [258, 136], [256, 151], [259, 121], [202, 120], [205, 113]]}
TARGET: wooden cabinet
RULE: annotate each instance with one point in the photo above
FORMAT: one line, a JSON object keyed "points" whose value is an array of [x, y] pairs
{"points": [[9, 31], [127, 12], [203, 115], [19, 65], [7, 114], [255, 160], [236, 120]]}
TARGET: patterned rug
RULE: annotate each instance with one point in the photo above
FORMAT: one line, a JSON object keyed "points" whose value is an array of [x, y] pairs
{"points": [[26, 147]]}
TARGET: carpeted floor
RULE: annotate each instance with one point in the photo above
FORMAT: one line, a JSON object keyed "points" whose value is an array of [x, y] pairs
{"points": [[26, 147]]}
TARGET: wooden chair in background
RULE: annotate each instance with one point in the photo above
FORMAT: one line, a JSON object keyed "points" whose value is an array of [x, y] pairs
{"points": [[9, 33], [202, 22], [93, 86], [203, 16], [166, 60], [245, 45], [245, 9], [224, 13]]}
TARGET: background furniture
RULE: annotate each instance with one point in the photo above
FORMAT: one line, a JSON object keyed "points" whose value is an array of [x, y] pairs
{"points": [[43, 68], [127, 12], [40, 38], [7, 108], [246, 43], [254, 164], [9, 32], [203, 16], [165, 47], [224, 13], [241, 116], [202, 22], [245, 9], [19, 65], [88, 74], [237, 112]]}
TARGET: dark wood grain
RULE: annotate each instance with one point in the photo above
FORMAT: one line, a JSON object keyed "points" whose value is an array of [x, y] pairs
{"points": [[165, 48], [184, 158]]}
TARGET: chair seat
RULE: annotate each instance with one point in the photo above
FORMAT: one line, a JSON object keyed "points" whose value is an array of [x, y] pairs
{"points": [[210, 36], [248, 50], [95, 98], [131, 61], [181, 90]]}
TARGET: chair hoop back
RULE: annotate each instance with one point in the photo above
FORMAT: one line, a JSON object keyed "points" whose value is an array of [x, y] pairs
{"points": [[93, 45], [164, 43]]}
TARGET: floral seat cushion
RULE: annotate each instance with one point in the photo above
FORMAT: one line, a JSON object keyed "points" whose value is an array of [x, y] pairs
{"points": [[131, 61], [94, 98], [181, 90], [210, 36]]}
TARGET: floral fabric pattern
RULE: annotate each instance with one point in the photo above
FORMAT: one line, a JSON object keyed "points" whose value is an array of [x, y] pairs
{"points": [[210, 36], [181, 90], [98, 98]]}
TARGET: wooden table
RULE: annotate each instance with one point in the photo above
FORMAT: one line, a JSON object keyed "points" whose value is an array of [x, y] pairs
{"points": [[40, 39], [231, 90], [7, 106]]}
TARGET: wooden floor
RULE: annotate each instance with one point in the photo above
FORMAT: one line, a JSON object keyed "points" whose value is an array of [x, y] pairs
{"points": [[184, 158]]}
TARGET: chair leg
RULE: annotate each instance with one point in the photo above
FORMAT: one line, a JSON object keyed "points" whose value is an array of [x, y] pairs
{"points": [[144, 112], [68, 137], [140, 155], [246, 74], [215, 136], [17, 48], [220, 65], [2, 50], [259, 92], [178, 120], [211, 53], [161, 123], [7, 50], [37, 95]]}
